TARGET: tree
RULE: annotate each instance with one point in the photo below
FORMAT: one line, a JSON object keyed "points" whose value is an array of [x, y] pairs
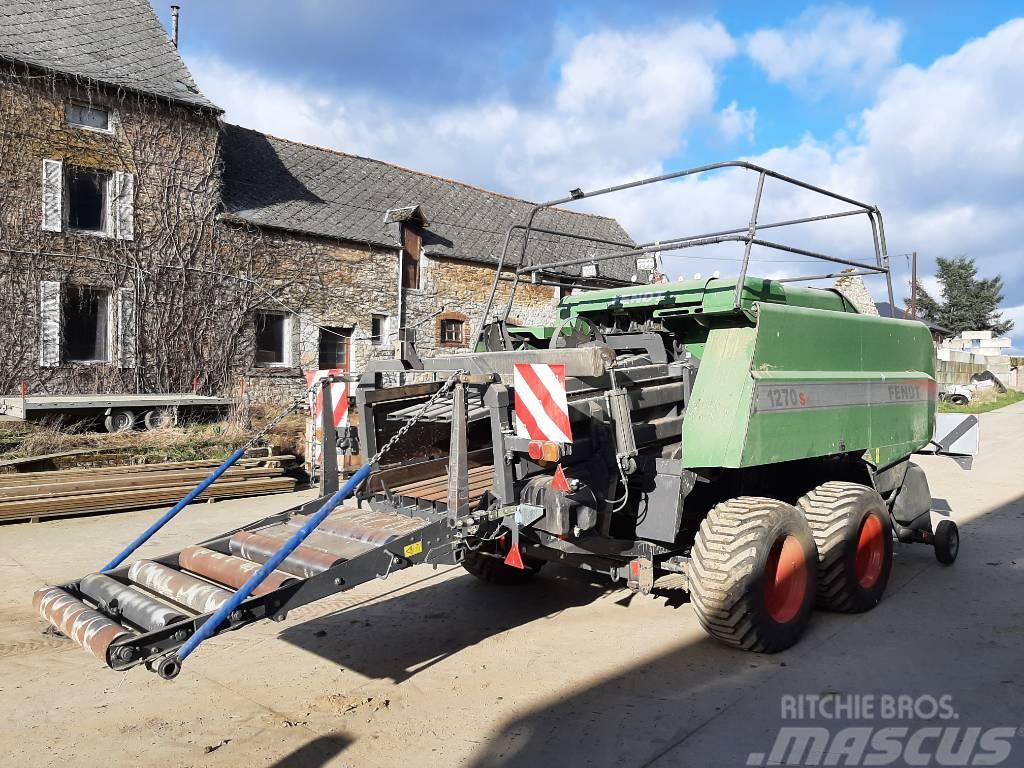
{"points": [[969, 303]]}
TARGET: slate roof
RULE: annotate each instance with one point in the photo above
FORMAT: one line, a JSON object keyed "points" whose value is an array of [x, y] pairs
{"points": [[885, 309], [282, 184], [116, 42]]}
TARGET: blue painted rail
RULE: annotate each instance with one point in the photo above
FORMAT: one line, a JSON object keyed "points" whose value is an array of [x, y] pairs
{"points": [[188, 499]]}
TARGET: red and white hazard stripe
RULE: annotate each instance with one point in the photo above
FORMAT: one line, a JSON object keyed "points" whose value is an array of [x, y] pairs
{"points": [[339, 396], [542, 412], [339, 401]]}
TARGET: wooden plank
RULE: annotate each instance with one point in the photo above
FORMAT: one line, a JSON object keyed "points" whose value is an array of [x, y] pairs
{"points": [[423, 470], [132, 469], [411, 489], [476, 485], [118, 501], [117, 483]]}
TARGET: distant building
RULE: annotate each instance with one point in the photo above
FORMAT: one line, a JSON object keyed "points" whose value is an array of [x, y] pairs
{"points": [[145, 245], [885, 309]]}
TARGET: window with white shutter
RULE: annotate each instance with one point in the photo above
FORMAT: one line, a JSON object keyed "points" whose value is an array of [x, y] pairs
{"points": [[126, 328], [123, 209], [53, 195], [49, 324]]}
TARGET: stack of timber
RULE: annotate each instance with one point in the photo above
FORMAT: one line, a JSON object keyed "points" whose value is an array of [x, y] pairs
{"points": [[35, 495]]}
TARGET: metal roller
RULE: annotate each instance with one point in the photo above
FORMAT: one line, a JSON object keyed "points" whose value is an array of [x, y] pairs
{"points": [[76, 620], [303, 562], [368, 527], [336, 545], [199, 595], [116, 599], [229, 570]]}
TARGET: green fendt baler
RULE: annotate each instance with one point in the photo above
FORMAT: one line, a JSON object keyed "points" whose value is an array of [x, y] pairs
{"points": [[751, 436], [792, 373]]}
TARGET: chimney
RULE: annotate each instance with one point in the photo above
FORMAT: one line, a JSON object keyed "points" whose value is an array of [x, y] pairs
{"points": [[175, 12]]}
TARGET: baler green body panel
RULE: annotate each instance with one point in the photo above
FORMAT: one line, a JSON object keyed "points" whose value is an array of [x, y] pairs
{"points": [[707, 296], [808, 382]]}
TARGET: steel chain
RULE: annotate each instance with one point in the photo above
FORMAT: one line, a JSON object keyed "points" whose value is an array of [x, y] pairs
{"points": [[416, 417]]}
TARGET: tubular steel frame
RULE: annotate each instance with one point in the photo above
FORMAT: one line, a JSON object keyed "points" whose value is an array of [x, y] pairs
{"points": [[746, 235]]}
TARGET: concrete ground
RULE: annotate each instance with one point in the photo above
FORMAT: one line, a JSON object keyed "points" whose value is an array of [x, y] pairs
{"points": [[433, 668]]}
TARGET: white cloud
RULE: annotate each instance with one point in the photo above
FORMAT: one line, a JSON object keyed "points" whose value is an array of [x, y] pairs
{"points": [[621, 101], [1017, 334], [828, 48], [734, 122], [941, 149]]}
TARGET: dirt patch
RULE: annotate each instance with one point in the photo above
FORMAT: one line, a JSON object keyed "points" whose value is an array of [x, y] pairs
{"points": [[344, 704]]}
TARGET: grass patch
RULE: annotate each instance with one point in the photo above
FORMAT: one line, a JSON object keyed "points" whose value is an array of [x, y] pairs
{"points": [[984, 402]]}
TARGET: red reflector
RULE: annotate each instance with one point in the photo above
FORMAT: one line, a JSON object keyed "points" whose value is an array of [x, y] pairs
{"points": [[514, 558], [535, 450], [560, 482]]}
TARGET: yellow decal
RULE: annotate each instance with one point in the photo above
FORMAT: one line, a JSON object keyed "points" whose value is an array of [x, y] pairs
{"points": [[878, 455], [413, 549]]}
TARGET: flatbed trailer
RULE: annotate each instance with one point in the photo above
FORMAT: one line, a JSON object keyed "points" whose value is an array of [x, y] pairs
{"points": [[120, 412]]}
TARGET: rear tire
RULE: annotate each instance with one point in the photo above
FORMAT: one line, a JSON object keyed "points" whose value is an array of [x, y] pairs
{"points": [[853, 531], [753, 576], [493, 570]]}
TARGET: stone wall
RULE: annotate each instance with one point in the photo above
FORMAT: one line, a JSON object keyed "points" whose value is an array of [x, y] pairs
{"points": [[461, 288], [856, 291], [187, 284], [170, 154]]}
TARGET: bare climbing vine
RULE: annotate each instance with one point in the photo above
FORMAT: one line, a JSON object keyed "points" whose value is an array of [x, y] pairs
{"points": [[196, 280]]}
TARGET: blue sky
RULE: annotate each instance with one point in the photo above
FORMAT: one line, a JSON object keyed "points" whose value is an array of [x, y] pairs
{"points": [[914, 106]]}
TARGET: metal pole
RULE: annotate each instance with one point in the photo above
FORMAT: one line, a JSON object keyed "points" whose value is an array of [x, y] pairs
{"points": [[329, 442], [750, 241], [458, 467], [175, 14], [145, 535], [913, 286]]}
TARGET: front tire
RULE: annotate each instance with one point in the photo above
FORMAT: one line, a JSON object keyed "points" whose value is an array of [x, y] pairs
{"points": [[853, 531], [753, 575], [947, 542]]}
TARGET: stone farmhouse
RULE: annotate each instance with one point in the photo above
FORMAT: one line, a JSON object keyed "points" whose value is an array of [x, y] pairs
{"points": [[148, 246]]}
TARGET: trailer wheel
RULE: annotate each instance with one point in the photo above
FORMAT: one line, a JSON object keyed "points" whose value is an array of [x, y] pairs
{"points": [[853, 532], [158, 418], [119, 420], [753, 574], [491, 569], [947, 542]]}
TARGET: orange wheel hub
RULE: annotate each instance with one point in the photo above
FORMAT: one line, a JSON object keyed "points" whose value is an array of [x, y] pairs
{"points": [[870, 551], [785, 579]]}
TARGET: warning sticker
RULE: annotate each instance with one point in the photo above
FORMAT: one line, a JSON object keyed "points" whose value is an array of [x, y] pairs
{"points": [[413, 549]]}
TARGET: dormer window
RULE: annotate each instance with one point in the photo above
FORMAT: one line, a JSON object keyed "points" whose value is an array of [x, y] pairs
{"points": [[91, 116], [412, 248]]}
